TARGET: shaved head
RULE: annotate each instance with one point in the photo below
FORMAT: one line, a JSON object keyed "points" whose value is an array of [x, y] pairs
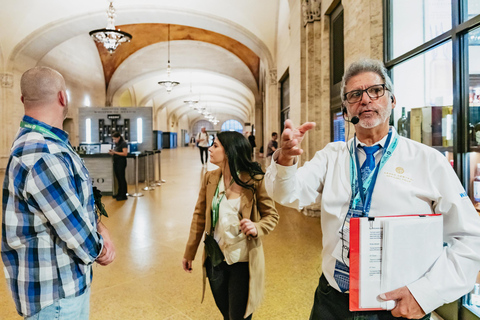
{"points": [[40, 85]]}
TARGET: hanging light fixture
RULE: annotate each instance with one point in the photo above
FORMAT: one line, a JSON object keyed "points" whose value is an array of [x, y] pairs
{"points": [[110, 37], [168, 84], [191, 102]]}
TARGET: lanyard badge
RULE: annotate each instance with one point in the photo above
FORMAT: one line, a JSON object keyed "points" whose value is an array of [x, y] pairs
{"points": [[361, 194]]}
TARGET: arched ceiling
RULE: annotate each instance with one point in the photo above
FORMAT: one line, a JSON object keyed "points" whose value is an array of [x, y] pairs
{"points": [[149, 33], [217, 47]]}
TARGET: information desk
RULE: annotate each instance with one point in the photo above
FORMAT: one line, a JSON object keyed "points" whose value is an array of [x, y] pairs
{"points": [[100, 167]]}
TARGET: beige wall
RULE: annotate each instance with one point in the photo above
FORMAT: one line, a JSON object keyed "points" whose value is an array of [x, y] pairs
{"points": [[83, 77], [304, 50]]}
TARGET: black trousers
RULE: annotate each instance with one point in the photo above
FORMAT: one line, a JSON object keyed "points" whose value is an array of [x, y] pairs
{"points": [[204, 150], [329, 304], [119, 166], [229, 284]]}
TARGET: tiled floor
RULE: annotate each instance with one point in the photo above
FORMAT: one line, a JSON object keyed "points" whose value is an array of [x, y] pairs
{"points": [[146, 281]]}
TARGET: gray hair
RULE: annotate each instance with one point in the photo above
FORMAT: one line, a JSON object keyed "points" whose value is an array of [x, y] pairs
{"points": [[365, 65]]}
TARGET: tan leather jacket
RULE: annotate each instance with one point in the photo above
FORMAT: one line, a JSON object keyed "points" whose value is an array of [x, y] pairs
{"points": [[263, 215]]}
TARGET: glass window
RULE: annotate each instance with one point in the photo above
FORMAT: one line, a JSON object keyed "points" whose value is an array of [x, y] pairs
{"points": [[473, 39], [415, 22], [232, 125], [473, 8], [284, 100], [424, 95]]}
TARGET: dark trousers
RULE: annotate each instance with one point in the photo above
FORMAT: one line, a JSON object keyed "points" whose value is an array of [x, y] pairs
{"points": [[119, 167], [229, 284], [203, 150], [329, 304]]}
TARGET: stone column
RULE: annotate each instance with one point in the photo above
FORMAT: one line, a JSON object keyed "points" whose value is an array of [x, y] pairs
{"points": [[5, 91], [312, 108], [271, 109]]}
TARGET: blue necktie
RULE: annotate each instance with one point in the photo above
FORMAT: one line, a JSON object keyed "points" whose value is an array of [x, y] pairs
{"points": [[369, 164], [341, 273]]}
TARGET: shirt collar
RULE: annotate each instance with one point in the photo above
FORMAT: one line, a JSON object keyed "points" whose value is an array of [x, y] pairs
{"points": [[58, 132], [381, 143]]}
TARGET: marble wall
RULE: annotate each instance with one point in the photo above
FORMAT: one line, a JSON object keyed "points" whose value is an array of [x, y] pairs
{"points": [[303, 50]]}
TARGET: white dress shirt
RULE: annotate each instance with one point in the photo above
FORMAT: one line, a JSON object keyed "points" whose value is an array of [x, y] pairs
{"points": [[231, 240], [416, 179]]}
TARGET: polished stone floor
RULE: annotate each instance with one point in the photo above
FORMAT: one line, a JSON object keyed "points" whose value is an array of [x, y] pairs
{"points": [[146, 281]]}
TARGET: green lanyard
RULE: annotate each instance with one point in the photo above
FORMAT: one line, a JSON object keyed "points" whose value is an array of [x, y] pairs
{"points": [[45, 132], [216, 203]]}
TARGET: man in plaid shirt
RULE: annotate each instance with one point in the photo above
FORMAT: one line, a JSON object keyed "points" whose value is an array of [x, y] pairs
{"points": [[50, 233]]}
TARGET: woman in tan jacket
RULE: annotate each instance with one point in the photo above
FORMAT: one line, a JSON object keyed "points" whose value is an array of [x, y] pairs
{"points": [[235, 196]]}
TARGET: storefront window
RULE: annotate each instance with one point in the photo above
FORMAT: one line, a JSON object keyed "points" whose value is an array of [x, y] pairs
{"points": [[434, 62], [473, 8], [472, 300], [424, 95], [415, 22]]}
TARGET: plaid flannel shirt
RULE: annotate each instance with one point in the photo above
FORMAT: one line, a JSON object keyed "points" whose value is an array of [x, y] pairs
{"points": [[49, 229]]}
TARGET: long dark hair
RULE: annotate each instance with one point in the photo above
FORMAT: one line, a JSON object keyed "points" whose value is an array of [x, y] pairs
{"points": [[116, 134], [239, 156]]}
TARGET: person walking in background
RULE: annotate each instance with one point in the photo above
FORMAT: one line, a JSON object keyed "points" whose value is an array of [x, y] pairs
{"points": [[234, 212], [203, 144], [193, 142], [51, 235], [120, 153], [251, 140], [377, 173], [272, 145]]}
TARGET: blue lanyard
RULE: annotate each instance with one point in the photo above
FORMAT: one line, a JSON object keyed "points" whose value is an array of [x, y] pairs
{"points": [[363, 195]]}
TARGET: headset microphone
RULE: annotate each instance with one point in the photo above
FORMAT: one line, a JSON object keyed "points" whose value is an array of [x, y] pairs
{"points": [[354, 120]]}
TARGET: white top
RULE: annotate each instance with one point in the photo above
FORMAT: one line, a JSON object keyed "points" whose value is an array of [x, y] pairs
{"points": [[203, 143], [231, 240], [416, 179]]}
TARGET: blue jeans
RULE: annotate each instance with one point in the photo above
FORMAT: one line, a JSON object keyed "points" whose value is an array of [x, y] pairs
{"points": [[75, 308]]}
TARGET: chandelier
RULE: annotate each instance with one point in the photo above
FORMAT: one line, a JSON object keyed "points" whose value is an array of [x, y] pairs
{"points": [[191, 102], [168, 84], [210, 117], [110, 37]]}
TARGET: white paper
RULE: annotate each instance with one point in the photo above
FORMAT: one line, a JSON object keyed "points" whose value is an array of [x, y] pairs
{"points": [[370, 262], [394, 252], [421, 238]]}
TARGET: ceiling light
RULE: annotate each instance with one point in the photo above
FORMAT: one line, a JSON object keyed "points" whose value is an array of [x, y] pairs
{"points": [[168, 84], [110, 37]]}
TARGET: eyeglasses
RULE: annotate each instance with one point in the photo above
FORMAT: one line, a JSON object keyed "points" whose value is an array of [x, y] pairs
{"points": [[374, 92]]}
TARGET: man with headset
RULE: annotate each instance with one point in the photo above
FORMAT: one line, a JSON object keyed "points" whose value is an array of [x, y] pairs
{"points": [[399, 177]]}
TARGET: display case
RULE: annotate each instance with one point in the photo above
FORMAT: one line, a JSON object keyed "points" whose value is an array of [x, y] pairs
{"points": [[472, 168], [436, 75]]}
